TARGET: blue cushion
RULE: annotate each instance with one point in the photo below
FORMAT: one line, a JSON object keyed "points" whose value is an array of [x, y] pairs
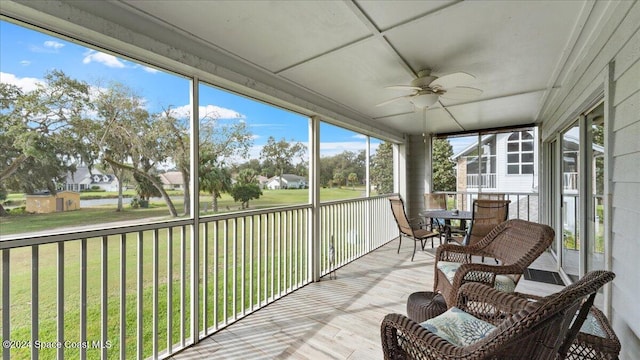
{"points": [[503, 282], [592, 326], [458, 327]]}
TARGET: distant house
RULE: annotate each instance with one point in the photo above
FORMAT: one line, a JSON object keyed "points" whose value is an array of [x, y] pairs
{"points": [[85, 179], [262, 181], [172, 180], [289, 181], [507, 164]]}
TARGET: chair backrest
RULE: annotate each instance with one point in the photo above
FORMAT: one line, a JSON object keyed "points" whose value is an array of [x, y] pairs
{"points": [[491, 196], [397, 207], [435, 201], [486, 215], [517, 242], [546, 328]]}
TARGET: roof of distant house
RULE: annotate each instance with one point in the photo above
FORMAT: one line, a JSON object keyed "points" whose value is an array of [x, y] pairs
{"points": [[289, 177], [171, 178], [83, 172]]}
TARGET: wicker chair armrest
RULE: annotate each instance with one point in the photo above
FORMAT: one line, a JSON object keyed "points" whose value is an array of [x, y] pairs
{"points": [[487, 303], [422, 343], [483, 273], [455, 253], [528, 296]]}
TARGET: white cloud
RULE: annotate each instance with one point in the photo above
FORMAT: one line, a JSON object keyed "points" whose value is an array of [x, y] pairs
{"points": [[26, 83], [105, 59], [150, 70], [25, 62], [211, 111], [333, 148], [359, 136], [53, 45]]}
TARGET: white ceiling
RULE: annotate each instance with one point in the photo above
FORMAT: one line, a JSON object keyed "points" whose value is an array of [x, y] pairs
{"points": [[347, 52]]}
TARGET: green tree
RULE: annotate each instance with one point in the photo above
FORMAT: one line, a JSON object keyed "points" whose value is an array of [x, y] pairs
{"points": [[382, 168], [338, 178], [282, 154], [245, 192], [247, 176], [175, 132], [145, 188], [129, 139], [346, 162], [42, 132], [214, 178], [598, 138], [444, 174], [3, 197], [353, 179]]}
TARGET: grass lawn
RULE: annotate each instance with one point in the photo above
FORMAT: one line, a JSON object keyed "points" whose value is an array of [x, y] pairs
{"points": [[105, 214], [278, 253]]}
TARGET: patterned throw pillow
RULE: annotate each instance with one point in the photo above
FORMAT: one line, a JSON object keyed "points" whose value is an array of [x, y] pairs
{"points": [[458, 327], [592, 326], [503, 283]]}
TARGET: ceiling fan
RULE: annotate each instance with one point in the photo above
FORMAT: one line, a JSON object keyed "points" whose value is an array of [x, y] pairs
{"points": [[428, 89]]}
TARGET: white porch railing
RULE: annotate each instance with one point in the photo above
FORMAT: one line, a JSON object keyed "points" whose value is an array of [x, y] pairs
{"points": [[486, 181], [523, 205], [127, 292]]}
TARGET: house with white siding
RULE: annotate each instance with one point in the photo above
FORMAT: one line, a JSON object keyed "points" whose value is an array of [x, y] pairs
{"points": [[286, 181], [85, 179]]}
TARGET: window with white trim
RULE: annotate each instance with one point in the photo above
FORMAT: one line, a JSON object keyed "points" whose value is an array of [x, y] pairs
{"points": [[520, 153]]}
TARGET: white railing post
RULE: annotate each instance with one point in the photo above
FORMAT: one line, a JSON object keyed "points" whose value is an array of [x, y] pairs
{"points": [[195, 210], [6, 302], [314, 199]]}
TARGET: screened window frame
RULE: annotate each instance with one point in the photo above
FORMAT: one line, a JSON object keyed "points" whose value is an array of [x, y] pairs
{"points": [[521, 164]]}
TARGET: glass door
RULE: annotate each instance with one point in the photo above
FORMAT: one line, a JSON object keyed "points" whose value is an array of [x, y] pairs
{"points": [[596, 207], [583, 211], [570, 214]]}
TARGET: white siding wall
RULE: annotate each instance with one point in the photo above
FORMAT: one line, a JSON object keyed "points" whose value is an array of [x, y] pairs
{"points": [[618, 41], [505, 182]]}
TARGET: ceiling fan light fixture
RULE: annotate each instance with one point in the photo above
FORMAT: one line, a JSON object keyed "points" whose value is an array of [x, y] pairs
{"points": [[424, 100]]}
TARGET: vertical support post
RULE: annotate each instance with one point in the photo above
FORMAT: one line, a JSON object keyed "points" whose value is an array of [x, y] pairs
{"points": [[60, 302], [170, 291], [83, 296], [6, 302], [584, 196], [104, 298], [140, 296], [195, 210], [367, 219], [314, 198], [35, 321], [609, 118], [123, 296]]}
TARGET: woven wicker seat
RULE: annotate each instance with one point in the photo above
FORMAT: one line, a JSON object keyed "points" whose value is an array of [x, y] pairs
{"points": [[514, 243], [543, 329]]}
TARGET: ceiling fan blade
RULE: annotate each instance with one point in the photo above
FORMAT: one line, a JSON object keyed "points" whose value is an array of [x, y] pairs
{"points": [[403, 87], [461, 93], [392, 100], [452, 80]]}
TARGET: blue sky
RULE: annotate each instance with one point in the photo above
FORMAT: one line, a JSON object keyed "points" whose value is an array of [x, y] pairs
{"points": [[26, 55]]}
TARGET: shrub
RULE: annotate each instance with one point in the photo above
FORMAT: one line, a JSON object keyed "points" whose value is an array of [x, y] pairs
{"points": [[22, 210]]}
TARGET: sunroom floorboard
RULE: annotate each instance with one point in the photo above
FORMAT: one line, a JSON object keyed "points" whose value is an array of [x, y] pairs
{"points": [[339, 318]]}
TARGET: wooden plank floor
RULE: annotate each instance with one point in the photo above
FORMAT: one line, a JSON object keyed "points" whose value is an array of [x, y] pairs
{"points": [[335, 319]]}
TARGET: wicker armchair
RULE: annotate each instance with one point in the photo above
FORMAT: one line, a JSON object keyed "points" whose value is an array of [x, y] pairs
{"points": [[524, 329], [514, 243]]}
